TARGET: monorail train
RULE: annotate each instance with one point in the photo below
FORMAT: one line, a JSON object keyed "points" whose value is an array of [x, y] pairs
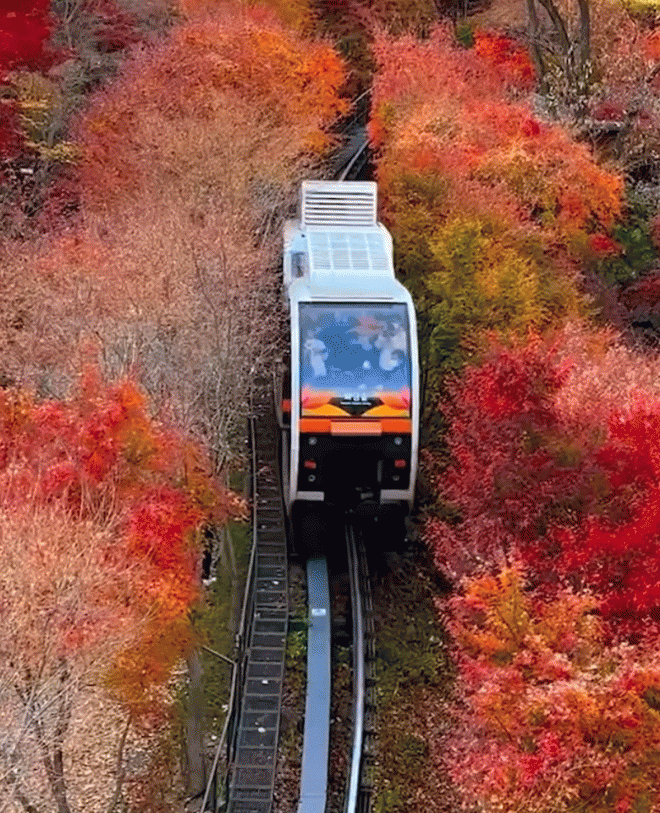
{"points": [[350, 417]]}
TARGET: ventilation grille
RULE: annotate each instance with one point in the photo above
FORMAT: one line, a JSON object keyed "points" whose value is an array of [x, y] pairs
{"points": [[338, 203], [349, 251]]}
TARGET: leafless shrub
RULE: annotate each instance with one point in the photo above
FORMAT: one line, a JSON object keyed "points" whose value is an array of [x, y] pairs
{"points": [[180, 287], [65, 612], [201, 317]]}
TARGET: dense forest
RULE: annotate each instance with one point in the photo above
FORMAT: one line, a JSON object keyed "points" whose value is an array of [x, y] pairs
{"points": [[149, 152]]}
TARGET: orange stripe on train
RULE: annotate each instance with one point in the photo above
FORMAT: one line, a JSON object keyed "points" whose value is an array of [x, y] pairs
{"points": [[325, 426]]}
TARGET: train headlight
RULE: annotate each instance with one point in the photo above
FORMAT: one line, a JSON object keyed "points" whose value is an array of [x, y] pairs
{"points": [[312, 440], [398, 441]]}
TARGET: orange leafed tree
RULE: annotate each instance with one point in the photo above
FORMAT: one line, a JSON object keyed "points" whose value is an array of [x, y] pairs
{"points": [[552, 718], [102, 585], [244, 66], [554, 463], [445, 111], [101, 452], [188, 163], [297, 14]]}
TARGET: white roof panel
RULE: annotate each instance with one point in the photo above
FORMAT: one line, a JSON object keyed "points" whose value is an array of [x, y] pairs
{"points": [[343, 253]]}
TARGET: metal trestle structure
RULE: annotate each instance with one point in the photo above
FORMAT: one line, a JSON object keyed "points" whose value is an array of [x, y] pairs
{"points": [[255, 757]]}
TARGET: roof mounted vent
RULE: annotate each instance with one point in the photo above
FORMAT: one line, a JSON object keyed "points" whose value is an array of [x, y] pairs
{"points": [[338, 203]]}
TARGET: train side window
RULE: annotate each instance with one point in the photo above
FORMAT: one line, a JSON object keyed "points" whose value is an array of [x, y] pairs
{"points": [[298, 264]]}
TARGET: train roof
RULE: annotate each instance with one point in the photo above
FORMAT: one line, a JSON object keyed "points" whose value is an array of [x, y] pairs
{"points": [[337, 249]]}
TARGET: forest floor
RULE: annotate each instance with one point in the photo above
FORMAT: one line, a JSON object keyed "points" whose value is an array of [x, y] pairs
{"points": [[414, 679]]}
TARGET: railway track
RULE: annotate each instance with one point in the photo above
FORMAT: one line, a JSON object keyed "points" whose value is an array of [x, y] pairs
{"points": [[250, 740], [315, 787], [242, 775], [358, 793], [249, 743], [253, 736], [253, 753], [248, 746]]}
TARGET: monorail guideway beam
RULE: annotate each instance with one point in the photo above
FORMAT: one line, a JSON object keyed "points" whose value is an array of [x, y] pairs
{"points": [[314, 773]]}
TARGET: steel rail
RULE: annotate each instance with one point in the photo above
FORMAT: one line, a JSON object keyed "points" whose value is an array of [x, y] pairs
{"points": [[359, 151], [359, 674], [314, 775]]}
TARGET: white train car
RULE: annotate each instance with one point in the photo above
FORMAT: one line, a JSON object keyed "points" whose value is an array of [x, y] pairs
{"points": [[351, 423]]}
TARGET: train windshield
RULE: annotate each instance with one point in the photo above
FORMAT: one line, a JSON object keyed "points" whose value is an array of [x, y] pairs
{"points": [[354, 360]]}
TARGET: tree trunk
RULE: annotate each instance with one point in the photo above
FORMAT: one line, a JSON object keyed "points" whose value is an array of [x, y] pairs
{"points": [[585, 32], [537, 54], [120, 769], [53, 758]]}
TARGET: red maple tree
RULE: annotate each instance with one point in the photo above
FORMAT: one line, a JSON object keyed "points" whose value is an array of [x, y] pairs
{"points": [[101, 454], [24, 33]]}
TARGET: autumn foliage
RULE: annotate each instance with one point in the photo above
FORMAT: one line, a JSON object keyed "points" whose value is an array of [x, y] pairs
{"points": [[492, 209], [294, 14], [159, 240], [244, 66], [505, 56], [164, 238], [24, 32], [100, 462], [537, 472], [555, 718], [553, 543]]}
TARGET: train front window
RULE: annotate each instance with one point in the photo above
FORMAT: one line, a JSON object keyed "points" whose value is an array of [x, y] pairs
{"points": [[354, 360]]}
